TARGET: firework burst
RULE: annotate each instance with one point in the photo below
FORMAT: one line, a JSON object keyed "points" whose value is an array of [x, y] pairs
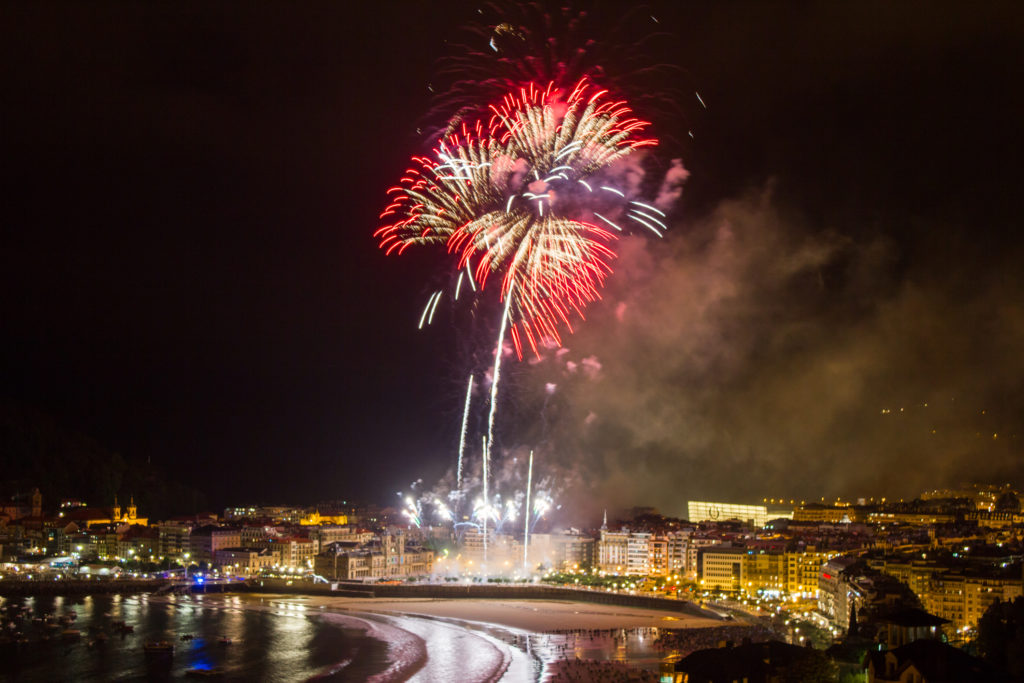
{"points": [[521, 197]]}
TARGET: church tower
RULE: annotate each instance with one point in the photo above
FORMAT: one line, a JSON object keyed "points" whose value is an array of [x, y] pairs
{"points": [[115, 514], [133, 512]]}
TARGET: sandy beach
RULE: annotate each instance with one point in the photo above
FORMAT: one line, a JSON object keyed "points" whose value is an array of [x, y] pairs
{"points": [[536, 616]]}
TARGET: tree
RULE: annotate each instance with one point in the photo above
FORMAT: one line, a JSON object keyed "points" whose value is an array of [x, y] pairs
{"points": [[814, 667], [807, 632], [1001, 637]]}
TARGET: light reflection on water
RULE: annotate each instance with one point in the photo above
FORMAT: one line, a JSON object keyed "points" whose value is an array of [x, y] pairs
{"points": [[267, 645]]}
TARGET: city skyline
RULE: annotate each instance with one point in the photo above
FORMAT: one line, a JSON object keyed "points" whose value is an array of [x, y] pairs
{"points": [[835, 310]]}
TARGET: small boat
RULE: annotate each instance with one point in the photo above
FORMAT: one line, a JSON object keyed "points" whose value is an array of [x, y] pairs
{"points": [[158, 648], [71, 634], [126, 628], [187, 636], [215, 672], [224, 640]]}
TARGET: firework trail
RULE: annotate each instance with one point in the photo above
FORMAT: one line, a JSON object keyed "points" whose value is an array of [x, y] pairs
{"points": [[526, 518], [413, 511], [486, 506], [541, 505], [462, 435], [442, 511]]}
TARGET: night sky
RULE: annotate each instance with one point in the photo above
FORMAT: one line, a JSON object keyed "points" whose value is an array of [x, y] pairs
{"points": [[189, 273]]}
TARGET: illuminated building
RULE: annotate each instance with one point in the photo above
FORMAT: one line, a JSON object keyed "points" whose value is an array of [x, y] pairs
{"points": [[386, 556], [764, 572], [927, 660], [624, 552], [638, 554], [819, 512], [918, 518], [915, 573], [802, 570], [995, 520], [239, 513], [981, 496], [574, 551], [755, 572], [677, 544], [21, 506], [295, 551], [667, 553], [473, 543], [754, 515], [246, 560], [315, 518], [563, 550], [254, 535], [205, 541], [909, 624], [611, 551], [139, 542], [835, 593], [657, 548], [962, 598], [693, 547], [173, 538], [279, 514], [91, 516], [722, 568], [327, 535]]}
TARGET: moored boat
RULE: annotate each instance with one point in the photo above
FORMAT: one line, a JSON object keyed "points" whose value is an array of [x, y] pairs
{"points": [[158, 648]]}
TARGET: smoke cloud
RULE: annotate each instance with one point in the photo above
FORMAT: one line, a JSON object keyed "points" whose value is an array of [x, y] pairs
{"points": [[755, 355]]}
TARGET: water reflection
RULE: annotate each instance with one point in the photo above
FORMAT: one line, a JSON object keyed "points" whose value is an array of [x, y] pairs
{"points": [[241, 635]]}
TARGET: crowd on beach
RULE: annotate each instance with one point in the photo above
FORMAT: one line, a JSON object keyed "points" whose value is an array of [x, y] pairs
{"points": [[684, 641], [572, 670], [672, 640]]}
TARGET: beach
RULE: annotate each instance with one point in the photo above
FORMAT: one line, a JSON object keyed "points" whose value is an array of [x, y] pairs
{"points": [[527, 615]]}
